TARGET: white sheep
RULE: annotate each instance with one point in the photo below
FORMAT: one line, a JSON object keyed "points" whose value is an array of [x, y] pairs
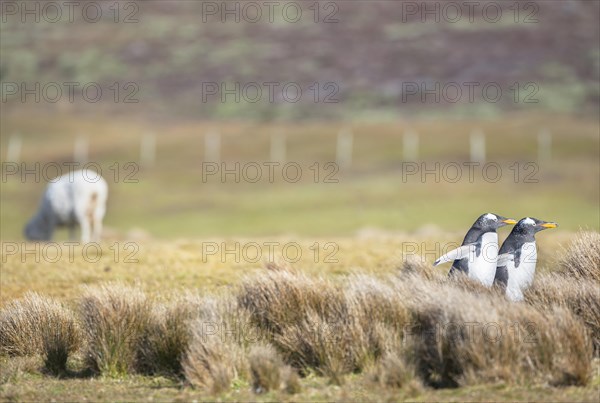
{"points": [[77, 197]]}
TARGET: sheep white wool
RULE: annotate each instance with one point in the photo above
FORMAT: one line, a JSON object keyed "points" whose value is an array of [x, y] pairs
{"points": [[75, 198]]}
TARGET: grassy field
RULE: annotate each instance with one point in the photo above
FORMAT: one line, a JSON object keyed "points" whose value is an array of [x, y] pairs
{"points": [[331, 265], [171, 199], [214, 263], [171, 233], [167, 270], [32, 386]]}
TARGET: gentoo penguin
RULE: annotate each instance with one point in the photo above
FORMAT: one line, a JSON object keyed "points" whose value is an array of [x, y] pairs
{"points": [[518, 256], [477, 257]]}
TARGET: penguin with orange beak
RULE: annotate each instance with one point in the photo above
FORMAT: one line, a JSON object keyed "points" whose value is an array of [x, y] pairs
{"points": [[477, 257], [517, 257]]}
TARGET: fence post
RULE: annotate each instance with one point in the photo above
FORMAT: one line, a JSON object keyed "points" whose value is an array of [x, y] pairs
{"points": [[13, 151], [212, 146], [478, 146], [345, 140], [544, 146], [410, 146], [80, 150], [148, 149], [278, 145]]}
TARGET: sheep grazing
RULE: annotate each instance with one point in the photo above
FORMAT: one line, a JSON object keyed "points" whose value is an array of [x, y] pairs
{"points": [[78, 197]]}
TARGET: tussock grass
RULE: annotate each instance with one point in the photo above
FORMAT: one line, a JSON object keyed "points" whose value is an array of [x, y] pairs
{"points": [[269, 371], [38, 325], [576, 285], [461, 338], [582, 258], [166, 338], [333, 349], [580, 297], [61, 337], [279, 298], [265, 367], [416, 266], [216, 354], [20, 325], [211, 363], [315, 324], [409, 329], [114, 319], [393, 371]]}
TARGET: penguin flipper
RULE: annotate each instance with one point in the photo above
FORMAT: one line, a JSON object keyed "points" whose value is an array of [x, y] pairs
{"points": [[456, 254], [504, 258]]}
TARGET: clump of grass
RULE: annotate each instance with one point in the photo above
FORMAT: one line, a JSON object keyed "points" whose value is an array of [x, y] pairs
{"points": [[265, 367], [114, 318], [61, 337], [333, 349], [210, 364], [269, 372], [392, 371], [334, 329], [301, 317], [21, 325], [416, 266], [465, 283], [39, 325], [167, 336], [582, 298], [217, 350], [462, 338], [379, 316], [279, 298], [291, 380], [212, 361], [582, 258]]}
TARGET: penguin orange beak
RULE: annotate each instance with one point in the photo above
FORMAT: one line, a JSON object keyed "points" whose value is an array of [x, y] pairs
{"points": [[509, 221], [550, 225]]}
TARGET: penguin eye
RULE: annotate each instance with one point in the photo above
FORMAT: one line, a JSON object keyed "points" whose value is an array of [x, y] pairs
{"points": [[534, 224]]}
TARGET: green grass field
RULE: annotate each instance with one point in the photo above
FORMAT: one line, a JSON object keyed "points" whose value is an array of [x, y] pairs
{"points": [[172, 199], [370, 220]]}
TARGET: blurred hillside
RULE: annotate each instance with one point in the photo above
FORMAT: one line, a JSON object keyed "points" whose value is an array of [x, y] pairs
{"points": [[369, 50], [359, 54]]}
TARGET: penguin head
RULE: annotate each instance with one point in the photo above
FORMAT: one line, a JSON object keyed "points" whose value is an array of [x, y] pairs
{"points": [[491, 222], [530, 225]]}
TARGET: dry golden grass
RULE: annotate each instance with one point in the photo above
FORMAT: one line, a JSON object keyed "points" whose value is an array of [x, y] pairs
{"points": [[265, 367], [393, 371], [216, 354], [180, 265], [464, 338], [582, 298], [334, 329], [582, 258], [114, 318], [576, 285], [39, 325], [406, 330], [166, 338], [269, 371]]}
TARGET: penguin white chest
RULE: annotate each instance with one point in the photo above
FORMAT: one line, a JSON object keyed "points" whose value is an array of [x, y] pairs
{"points": [[482, 267], [520, 277]]}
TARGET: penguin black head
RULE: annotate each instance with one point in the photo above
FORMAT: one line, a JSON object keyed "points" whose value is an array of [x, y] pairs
{"points": [[491, 222], [530, 226]]}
